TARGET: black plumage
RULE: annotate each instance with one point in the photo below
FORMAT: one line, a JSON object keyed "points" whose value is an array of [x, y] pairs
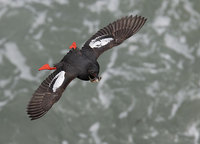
{"points": [[81, 63]]}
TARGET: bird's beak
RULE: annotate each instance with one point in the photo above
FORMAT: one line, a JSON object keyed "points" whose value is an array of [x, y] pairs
{"points": [[96, 79]]}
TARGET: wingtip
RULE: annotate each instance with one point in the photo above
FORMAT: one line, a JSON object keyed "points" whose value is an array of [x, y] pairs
{"points": [[137, 16], [36, 116], [145, 18], [34, 111]]}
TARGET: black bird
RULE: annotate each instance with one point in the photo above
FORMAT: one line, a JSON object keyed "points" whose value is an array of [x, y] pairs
{"points": [[81, 63]]}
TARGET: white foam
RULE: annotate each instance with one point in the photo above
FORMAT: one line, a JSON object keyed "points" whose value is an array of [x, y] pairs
{"points": [[82, 135], [132, 49], [2, 12], [160, 24], [17, 3], [127, 73], [3, 103], [104, 92], [39, 20], [94, 127], [1, 57], [194, 16], [180, 96], [130, 139], [162, 21], [39, 45], [161, 10], [167, 57], [94, 132], [198, 50], [159, 119], [124, 114], [104, 5], [9, 95], [152, 133], [4, 82], [65, 142], [22, 3], [98, 6], [173, 43], [153, 88], [62, 2], [38, 36], [113, 5], [150, 109], [92, 25], [14, 55], [193, 131]]}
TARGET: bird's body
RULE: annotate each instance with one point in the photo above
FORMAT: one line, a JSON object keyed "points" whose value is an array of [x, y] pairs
{"points": [[81, 63], [78, 61]]}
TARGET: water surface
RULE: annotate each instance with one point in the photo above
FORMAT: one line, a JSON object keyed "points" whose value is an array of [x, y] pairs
{"points": [[150, 87]]}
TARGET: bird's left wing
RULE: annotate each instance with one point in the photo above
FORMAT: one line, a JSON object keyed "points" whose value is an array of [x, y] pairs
{"points": [[114, 34], [48, 93]]}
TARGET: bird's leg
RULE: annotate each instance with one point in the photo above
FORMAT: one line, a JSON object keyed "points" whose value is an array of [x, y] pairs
{"points": [[46, 67], [73, 46]]}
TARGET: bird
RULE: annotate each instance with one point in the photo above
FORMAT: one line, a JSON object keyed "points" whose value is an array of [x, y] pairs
{"points": [[81, 63]]}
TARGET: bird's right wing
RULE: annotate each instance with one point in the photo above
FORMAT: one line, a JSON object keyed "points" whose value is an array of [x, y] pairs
{"points": [[48, 93], [114, 34]]}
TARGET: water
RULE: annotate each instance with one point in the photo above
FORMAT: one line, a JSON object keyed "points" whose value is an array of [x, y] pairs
{"points": [[150, 87]]}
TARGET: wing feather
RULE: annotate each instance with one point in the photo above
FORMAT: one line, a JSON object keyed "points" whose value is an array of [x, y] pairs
{"points": [[44, 97], [114, 34]]}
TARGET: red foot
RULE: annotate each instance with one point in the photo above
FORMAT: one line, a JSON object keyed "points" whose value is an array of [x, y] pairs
{"points": [[46, 67], [73, 46]]}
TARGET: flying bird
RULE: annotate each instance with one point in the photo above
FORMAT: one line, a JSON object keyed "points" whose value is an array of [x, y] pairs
{"points": [[81, 63]]}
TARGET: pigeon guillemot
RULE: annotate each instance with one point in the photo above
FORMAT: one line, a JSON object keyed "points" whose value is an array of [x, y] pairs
{"points": [[81, 63]]}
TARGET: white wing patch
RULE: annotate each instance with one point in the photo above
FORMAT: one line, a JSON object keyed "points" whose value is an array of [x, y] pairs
{"points": [[98, 42], [59, 79]]}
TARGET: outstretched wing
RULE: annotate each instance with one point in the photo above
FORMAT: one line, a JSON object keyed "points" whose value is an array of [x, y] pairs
{"points": [[48, 93], [114, 34]]}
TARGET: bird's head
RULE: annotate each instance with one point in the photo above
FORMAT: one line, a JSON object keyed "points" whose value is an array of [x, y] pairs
{"points": [[93, 73]]}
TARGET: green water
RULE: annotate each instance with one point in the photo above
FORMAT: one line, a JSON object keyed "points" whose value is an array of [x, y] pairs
{"points": [[150, 87]]}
